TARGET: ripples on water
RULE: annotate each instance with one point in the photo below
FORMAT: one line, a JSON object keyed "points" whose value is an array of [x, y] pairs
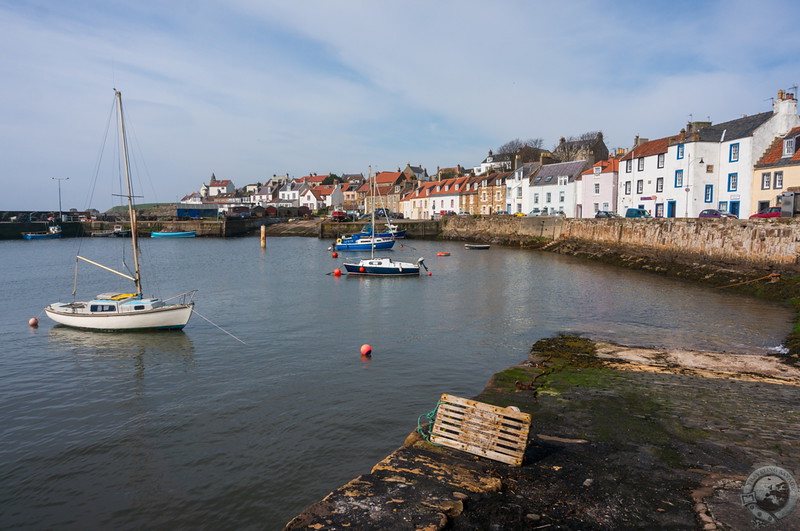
{"points": [[194, 429]]}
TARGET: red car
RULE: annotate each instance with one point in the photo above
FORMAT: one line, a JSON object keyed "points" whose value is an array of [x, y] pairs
{"points": [[771, 212]]}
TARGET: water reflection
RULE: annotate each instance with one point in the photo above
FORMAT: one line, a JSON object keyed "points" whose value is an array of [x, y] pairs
{"points": [[147, 348]]}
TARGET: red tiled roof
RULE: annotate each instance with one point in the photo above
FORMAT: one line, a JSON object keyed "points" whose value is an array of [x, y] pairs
{"points": [[609, 166], [654, 147], [387, 176], [774, 153]]}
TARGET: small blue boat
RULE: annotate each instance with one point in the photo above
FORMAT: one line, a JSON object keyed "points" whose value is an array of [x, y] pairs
{"points": [[173, 234], [393, 232], [365, 243], [52, 233]]}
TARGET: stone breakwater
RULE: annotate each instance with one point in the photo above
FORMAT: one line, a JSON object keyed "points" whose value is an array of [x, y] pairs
{"points": [[621, 438]]}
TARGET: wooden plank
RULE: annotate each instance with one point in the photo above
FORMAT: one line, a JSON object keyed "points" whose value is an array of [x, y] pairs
{"points": [[481, 429]]}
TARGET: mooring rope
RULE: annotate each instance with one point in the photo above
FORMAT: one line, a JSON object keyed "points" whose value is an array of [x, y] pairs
{"points": [[426, 429], [771, 275], [215, 324]]}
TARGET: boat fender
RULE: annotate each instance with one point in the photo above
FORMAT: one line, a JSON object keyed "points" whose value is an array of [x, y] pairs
{"points": [[400, 268], [338, 240]]}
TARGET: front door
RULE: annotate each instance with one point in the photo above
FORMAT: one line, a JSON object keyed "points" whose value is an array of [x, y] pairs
{"points": [[734, 208], [670, 209]]}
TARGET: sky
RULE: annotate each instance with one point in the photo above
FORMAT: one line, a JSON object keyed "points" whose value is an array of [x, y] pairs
{"points": [[248, 89]]}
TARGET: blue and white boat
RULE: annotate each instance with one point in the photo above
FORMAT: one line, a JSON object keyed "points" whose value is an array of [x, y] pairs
{"points": [[384, 267], [363, 243], [53, 232], [392, 232]]}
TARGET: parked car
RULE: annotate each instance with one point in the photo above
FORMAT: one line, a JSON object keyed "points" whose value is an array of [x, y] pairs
{"points": [[520, 214], [770, 212], [535, 212], [340, 215], [637, 213], [715, 213], [606, 214]]}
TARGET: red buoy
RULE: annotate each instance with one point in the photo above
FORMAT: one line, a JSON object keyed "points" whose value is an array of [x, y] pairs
{"points": [[366, 350], [429, 273], [337, 272], [33, 322], [361, 269], [334, 254]]}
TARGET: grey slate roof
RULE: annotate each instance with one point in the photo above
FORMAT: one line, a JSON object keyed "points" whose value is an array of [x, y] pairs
{"points": [[571, 169], [739, 128]]}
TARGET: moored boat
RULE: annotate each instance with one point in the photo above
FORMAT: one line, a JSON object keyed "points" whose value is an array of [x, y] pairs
{"points": [[173, 234], [124, 311], [383, 267], [476, 246], [53, 232], [366, 243]]}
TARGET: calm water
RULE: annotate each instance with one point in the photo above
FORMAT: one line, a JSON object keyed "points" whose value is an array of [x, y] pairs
{"points": [[195, 429]]}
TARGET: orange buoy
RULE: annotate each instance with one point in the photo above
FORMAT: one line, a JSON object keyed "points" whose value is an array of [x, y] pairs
{"points": [[334, 254], [442, 254], [366, 350], [361, 269], [337, 272], [33, 322]]}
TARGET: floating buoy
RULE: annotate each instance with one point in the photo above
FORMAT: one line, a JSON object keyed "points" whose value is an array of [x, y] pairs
{"points": [[334, 254], [361, 269], [442, 254], [366, 350], [429, 273], [34, 322], [337, 272]]}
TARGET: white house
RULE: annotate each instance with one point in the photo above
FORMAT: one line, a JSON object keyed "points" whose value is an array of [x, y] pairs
{"points": [[220, 187], [599, 187], [516, 183], [554, 188], [290, 193], [500, 162]]}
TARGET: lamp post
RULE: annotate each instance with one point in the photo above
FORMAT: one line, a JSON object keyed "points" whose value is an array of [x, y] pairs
{"points": [[59, 179]]}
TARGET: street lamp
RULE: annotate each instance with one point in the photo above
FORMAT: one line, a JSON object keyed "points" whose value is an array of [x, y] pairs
{"points": [[59, 179], [688, 174]]}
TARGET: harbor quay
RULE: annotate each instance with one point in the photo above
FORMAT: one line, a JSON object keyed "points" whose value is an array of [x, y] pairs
{"points": [[620, 438]]}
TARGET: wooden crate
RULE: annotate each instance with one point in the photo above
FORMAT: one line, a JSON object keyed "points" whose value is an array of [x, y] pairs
{"points": [[482, 429]]}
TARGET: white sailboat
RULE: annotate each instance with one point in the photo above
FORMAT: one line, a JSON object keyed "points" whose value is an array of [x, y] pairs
{"points": [[124, 311]]}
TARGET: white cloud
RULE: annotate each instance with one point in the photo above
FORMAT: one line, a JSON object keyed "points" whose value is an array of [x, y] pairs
{"points": [[247, 88]]}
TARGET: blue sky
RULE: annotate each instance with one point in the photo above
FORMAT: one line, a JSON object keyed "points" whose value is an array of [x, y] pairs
{"points": [[250, 88]]}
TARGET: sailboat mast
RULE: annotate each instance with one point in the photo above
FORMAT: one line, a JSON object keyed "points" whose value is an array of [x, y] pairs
{"points": [[131, 211], [372, 237]]}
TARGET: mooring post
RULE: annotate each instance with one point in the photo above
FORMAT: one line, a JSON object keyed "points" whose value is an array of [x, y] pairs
{"points": [[263, 236]]}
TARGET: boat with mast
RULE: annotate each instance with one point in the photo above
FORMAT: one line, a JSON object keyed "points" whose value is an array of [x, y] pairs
{"points": [[381, 266], [124, 311]]}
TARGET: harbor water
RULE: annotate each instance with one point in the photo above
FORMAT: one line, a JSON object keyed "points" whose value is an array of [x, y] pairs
{"points": [[263, 403]]}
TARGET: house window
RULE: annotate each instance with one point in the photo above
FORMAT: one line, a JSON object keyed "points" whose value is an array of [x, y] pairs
{"points": [[596, 188], [641, 164], [659, 184], [561, 196], [627, 188], [659, 210], [733, 182], [678, 178], [709, 193], [605, 206], [562, 180], [497, 196], [596, 207], [660, 162], [788, 147], [734, 153], [680, 151], [547, 197], [723, 205], [548, 179], [483, 196], [778, 184], [628, 165], [519, 192], [639, 186], [535, 199], [765, 179]]}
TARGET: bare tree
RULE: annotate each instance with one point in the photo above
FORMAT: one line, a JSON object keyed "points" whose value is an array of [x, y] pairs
{"points": [[512, 147]]}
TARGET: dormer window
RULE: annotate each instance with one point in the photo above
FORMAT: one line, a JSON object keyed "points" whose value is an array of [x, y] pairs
{"points": [[788, 147], [488, 159], [438, 187], [597, 170]]}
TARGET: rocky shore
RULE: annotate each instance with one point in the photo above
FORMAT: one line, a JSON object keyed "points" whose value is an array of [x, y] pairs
{"points": [[621, 438]]}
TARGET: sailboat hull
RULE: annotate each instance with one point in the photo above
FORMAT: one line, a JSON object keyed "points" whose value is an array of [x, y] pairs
{"points": [[174, 316], [382, 267]]}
